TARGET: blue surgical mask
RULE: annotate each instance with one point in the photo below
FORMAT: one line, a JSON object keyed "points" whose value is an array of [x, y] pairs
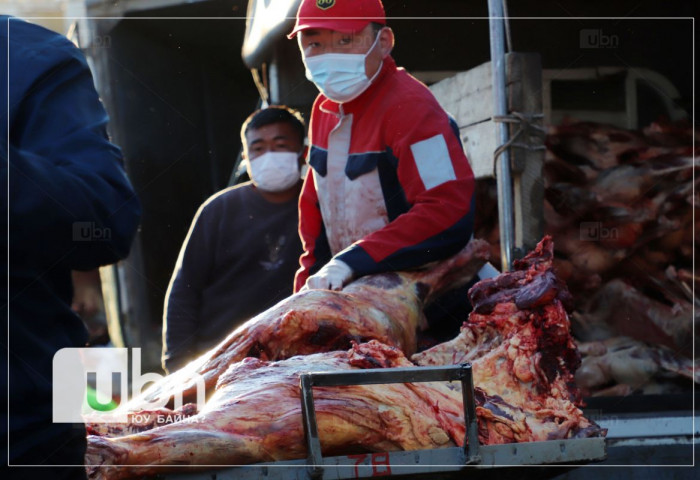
{"points": [[340, 76]]}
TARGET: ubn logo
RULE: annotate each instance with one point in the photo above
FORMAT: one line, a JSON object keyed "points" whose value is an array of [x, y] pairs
{"points": [[102, 41], [89, 232], [87, 380], [590, 38], [595, 231]]}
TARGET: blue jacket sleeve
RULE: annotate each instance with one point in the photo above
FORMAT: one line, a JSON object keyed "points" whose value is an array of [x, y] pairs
{"points": [[70, 202]]}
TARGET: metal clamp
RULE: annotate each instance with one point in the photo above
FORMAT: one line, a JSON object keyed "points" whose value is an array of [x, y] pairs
{"points": [[374, 376]]}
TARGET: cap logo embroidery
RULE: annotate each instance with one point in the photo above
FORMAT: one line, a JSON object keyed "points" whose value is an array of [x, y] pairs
{"points": [[325, 4]]}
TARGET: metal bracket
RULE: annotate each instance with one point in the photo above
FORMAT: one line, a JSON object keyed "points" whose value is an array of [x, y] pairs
{"points": [[462, 373]]}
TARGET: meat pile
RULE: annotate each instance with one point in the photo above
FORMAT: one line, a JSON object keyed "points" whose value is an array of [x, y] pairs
{"points": [[619, 205], [517, 340], [623, 365], [519, 343]]}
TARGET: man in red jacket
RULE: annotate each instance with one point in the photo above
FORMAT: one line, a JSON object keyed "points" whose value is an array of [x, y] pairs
{"points": [[389, 187]]}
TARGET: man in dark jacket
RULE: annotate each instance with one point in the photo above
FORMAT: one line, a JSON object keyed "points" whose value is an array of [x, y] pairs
{"points": [[70, 207], [243, 248]]}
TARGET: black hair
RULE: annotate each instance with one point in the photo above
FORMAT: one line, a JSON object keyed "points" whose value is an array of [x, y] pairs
{"points": [[376, 28], [274, 114]]}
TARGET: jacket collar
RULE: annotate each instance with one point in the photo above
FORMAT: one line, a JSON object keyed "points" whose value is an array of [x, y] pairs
{"points": [[329, 106]]}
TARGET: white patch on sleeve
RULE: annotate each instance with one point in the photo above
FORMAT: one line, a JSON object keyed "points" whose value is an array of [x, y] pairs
{"points": [[433, 161]]}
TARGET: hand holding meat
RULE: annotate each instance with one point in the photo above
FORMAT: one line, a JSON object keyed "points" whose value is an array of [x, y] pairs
{"points": [[333, 276]]}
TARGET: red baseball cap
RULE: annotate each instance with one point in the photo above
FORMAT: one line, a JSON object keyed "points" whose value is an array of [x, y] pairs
{"points": [[341, 15]]}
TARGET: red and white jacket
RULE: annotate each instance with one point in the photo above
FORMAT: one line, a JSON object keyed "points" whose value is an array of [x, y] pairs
{"points": [[389, 187]]}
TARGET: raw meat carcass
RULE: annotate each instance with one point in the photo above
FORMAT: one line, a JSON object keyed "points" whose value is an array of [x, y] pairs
{"points": [[621, 366], [620, 203], [387, 307], [255, 415], [620, 309], [622, 207], [599, 146], [523, 359], [622, 211], [519, 343]]}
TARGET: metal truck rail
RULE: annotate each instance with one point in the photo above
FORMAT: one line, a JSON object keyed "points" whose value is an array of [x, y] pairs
{"points": [[435, 463]]}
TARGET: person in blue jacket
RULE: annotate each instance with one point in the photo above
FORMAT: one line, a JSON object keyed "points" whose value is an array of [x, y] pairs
{"points": [[70, 207]]}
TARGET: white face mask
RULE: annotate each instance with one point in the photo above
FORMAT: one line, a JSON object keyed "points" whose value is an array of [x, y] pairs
{"points": [[340, 76], [274, 171]]}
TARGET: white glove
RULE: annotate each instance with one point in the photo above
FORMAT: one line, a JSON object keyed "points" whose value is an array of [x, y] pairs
{"points": [[333, 276]]}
